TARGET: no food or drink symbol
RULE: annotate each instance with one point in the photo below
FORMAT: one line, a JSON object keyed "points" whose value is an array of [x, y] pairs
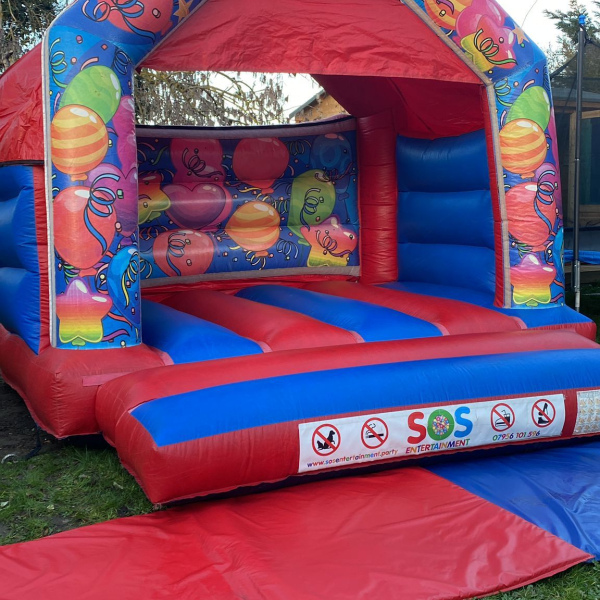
{"points": [[374, 433], [543, 413], [502, 417], [326, 439]]}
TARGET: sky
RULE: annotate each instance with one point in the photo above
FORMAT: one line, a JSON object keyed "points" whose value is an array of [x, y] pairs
{"points": [[527, 13]]}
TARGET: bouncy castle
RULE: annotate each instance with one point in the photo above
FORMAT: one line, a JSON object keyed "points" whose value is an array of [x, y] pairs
{"points": [[233, 306]]}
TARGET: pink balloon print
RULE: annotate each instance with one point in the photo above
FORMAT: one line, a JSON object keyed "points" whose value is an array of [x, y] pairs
{"points": [[125, 190], [123, 123], [199, 207], [468, 22], [197, 160]]}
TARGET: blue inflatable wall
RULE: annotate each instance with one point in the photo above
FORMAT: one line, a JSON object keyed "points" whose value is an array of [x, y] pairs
{"points": [[19, 264], [445, 216]]}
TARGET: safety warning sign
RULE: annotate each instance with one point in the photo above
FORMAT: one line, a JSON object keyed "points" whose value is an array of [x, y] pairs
{"points": [[425, 430], [374, 433], [503, 417], [325, 439], [543, 413]]}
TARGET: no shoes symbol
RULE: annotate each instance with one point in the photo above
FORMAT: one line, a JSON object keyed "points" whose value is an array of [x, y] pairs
{"points": [[543, 413]]}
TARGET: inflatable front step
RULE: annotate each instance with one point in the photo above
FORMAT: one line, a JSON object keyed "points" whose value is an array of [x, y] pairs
{"points": [[200, 428]]}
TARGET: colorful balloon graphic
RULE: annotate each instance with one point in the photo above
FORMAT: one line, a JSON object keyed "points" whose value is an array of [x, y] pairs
{"points": [[254, 226], [80, 313], [532, 214], [312, 201], [331, 243], [84, 225], [490, 46], [260, 161], [152, 201], [79, 140], [523, 147], [145, 18], [183, 252], [123, 283], [445, 12], [123, 125], [468, 20], [97, 88], [532, 104], [124, 188], [531, 280], [200, 207], [197, 160]]}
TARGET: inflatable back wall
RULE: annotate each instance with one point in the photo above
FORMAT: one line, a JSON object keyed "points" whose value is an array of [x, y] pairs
{"points": [[218, 206], [445, 184]]}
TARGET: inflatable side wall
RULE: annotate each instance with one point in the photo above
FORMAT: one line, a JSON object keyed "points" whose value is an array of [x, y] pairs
{"points": [[23, 258]]}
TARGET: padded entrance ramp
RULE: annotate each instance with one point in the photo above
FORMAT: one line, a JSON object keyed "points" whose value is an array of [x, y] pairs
{"points": [[401, 534], [557, 489]]}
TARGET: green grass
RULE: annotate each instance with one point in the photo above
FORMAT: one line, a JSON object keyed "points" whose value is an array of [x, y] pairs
{"points": [[579, 583], [63, 488]]}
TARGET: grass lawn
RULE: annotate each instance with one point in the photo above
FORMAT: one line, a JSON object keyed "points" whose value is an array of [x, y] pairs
{"points": [[74, 483]]}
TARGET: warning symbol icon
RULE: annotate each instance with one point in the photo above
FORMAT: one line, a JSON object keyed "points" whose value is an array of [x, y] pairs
{"points": [[326, 439]]}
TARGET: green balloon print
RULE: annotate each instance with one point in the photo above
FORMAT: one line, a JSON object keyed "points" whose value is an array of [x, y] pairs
{"points": [[97, 88], [312, 201], [532, 104]]}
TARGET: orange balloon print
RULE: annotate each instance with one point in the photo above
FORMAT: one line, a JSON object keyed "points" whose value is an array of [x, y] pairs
{"points": [[523, 147], [79, 140], [254, 226]]}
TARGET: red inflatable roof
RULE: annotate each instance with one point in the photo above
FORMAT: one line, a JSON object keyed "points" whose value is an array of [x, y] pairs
{"points": [[384, 38], [21, 110]]}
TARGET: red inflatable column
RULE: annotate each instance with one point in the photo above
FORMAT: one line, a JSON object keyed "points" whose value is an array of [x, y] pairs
{"points": [[378, 198]]}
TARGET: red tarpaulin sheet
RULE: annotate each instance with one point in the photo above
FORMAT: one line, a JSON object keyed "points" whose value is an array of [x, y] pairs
{"points": [[396, 535]]}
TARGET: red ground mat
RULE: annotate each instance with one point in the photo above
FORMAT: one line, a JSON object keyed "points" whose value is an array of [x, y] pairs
{"points": [[396, 535]]}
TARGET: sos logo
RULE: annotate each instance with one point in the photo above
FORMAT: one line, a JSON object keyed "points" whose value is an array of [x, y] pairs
{"points": [[440, 424]]}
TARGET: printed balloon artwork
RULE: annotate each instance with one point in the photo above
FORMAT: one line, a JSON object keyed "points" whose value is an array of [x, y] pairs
{"points": [[97, 88], [312, 201], [145, 19], [548, 181], [84, 225], [532, 214], [123, 283], [197, 160], [554, 254], [260, 161], [531, 280], [332, 154], [331, 243], [152, 201], [79, 141], [200, 207], [490, 46], [124, 188], [255, 227], [445, 12], [123, 125], [482, 34], [80, 312], [523, 147], [183, 252], [468, 20], [533, 104]]}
